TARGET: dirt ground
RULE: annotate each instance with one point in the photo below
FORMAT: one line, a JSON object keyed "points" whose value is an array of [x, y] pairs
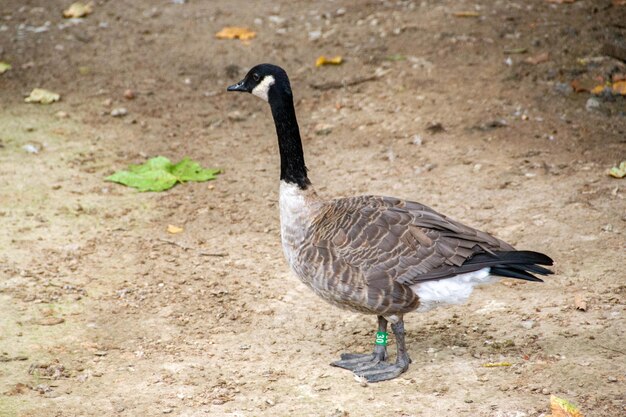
{"points": [[102, 312]]}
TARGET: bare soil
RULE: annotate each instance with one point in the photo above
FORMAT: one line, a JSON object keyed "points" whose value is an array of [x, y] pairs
{"points": [[102, 312]]}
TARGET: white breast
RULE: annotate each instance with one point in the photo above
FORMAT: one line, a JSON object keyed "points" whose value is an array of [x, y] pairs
{"points": [[450, 290], [296, 213]]}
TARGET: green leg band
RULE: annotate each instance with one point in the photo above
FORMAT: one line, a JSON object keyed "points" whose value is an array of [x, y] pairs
{"points": [[381, 338]]}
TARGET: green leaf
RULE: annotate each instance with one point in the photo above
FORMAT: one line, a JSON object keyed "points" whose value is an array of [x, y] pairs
{"points": [[159, 174], [4, 67], [618, 171], [188, 170]]}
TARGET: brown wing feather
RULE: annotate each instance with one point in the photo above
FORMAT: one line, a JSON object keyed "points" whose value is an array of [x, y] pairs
{"points": [[392, 241]]}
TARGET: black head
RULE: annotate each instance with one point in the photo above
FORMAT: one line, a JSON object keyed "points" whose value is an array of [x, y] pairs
{"points": [[263, 79]]}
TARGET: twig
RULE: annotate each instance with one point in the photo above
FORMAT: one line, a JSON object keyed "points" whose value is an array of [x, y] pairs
{"points": [[345, 83], [171, 242], [186, 248], [212, 254], [611, 349], [15, 358]]}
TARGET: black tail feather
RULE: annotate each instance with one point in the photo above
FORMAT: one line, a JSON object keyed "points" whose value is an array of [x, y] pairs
{"points": [[532, 268], [515, 264], [513, 273]]}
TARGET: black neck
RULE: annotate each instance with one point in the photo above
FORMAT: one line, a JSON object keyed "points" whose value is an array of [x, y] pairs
{"points": [[292, 168]]}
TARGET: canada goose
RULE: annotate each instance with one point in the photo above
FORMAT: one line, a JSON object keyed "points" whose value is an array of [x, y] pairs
{"points": [[376, 255]]}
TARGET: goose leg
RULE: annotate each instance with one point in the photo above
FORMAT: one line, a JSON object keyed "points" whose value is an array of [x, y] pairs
{"points": [[356, 361], [383, 371]]}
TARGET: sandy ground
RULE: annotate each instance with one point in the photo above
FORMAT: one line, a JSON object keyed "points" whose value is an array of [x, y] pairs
{"points": [[102, 312]]}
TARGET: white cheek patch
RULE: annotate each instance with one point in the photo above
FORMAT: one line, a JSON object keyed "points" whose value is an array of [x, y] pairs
{"points": [[263, 88]]}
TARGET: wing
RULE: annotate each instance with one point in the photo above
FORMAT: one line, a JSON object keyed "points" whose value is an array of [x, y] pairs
{"points": [[395, 241]]}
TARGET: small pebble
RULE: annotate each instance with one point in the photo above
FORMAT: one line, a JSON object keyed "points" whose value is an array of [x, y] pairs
{"points": [[323, 129], [119, 112], [611, 379], [167, 410], [527, 324], [236, 116], [315, 35], [129, 94], [545, 391], [592, 104], [30, 148]]}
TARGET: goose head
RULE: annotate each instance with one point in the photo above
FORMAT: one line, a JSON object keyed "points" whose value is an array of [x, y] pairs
{"points": [[264, 81]]}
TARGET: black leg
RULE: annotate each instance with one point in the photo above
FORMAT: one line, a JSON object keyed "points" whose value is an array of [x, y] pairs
{"points": [[356, 361], [383, 371]]}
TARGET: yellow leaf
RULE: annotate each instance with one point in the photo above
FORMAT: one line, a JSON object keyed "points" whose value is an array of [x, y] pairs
{"points": [[496, 364], [597, 89], [322, 60], [619, 87], [78, 9], [40, 95], [234, 32], [466, 14], [4, 67], [563, 408], [171, 229]]}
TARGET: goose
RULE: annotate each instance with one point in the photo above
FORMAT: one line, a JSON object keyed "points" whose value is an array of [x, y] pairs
{"points": [[376, 255]]}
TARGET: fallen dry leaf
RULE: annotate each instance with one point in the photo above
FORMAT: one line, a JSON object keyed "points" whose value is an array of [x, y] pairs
{"points": [[580, 303], [171, 229], [322, 60], [496, 364], [235, 32], [17, 389], [619, 87], [598, 89], [51, 321], [563, 408], [78, 9], [4, 67], [538, 59], [584, 85], [466, 14], [43, 96]]}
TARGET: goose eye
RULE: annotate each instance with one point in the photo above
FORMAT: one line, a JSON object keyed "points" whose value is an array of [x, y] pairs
{"points": [[256, 77]]}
